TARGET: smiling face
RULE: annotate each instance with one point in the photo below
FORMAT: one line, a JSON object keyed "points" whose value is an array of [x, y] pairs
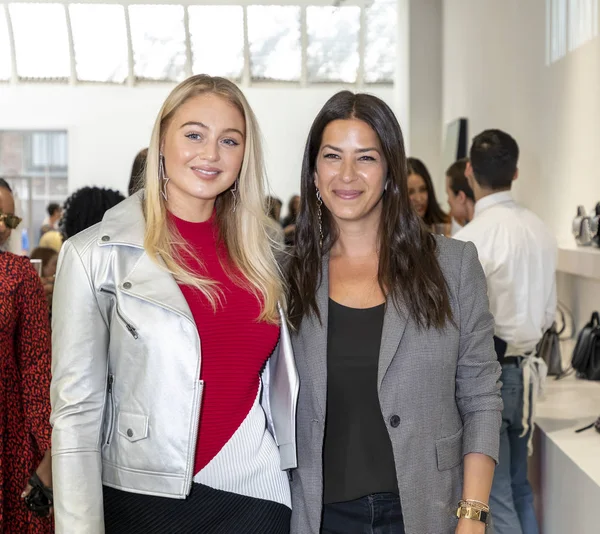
{"points": [[417, 192], [203, 148], [351, 170]]}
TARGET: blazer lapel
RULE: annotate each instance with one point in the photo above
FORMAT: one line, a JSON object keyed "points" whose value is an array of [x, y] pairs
{"points": [[394, 324], [315, 341]]}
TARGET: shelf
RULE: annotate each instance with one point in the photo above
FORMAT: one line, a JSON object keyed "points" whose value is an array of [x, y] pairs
{"points": [[579, 261]]}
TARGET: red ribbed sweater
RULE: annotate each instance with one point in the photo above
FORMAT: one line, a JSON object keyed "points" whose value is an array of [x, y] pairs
{"points": [[234, 345]]}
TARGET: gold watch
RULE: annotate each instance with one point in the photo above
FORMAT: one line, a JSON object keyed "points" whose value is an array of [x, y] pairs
{"points": [[466, 511]]}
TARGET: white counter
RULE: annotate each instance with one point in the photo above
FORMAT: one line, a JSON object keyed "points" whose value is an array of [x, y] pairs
{"points": [[565, 468]]}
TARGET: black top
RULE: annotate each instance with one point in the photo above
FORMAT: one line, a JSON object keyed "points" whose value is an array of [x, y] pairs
{"points": [[357, 455]]}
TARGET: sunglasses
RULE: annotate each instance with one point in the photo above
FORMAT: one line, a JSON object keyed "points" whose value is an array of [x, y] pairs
{"points": [[10, 220]]}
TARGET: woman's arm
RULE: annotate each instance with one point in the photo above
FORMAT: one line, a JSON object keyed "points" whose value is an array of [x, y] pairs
{"points": [[477, 385], [78, 391], [33, 357]]}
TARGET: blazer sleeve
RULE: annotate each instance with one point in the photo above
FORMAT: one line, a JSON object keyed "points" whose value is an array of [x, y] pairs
{"points": [[478, 372], [78, 390], [32, 344]]}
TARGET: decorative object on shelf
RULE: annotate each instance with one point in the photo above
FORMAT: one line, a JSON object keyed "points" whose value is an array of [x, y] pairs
{"points": [[595, 225], [549, 347], [586, 355], [582, 228]]}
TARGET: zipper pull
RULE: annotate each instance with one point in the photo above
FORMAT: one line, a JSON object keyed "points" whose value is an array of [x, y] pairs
{"points": [[111, 379], [132, 331]]}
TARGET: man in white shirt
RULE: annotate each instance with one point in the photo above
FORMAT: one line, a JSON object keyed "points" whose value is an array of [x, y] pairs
{"points": [[461, 198], [518, 255]]}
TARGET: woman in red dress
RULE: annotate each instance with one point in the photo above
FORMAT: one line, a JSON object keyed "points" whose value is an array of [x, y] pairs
{"points": [[24, 382]]}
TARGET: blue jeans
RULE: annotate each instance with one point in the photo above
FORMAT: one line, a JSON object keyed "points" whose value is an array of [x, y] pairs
{"points": [[379, 513], [511, 500]]}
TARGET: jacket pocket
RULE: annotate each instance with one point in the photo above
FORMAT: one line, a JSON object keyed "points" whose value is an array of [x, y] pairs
{"points": [[132, 426], [449, 451], [110, 409]]}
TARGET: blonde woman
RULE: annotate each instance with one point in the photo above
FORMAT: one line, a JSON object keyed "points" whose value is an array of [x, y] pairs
{"points": [[165, 315]]}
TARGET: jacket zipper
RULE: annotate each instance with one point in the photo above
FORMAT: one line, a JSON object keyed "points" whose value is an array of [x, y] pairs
{"points": [[129, 327], [111, 401]]}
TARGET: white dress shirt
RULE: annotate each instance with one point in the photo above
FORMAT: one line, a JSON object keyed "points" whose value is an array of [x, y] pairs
{"points": [[518, 255]]}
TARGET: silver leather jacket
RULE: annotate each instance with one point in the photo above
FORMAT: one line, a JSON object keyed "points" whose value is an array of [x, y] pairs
{"points": [[125, 391]]}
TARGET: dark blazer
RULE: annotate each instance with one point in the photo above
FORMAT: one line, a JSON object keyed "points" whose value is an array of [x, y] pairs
{"points": [[439, 394]]}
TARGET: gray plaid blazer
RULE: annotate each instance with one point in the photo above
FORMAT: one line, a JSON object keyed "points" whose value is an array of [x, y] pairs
{"points": [[442, 384]]}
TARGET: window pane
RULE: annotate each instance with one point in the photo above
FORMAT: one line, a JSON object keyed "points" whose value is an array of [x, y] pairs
{"points": [[332, 43], [4, 47], [91, 24], [274, 39], [583, 22], [41, 40], [380, 45], [217, 36], [158, 38], [558, 37]]}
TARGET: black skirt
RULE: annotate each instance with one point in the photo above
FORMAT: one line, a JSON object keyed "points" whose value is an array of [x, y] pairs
{"points": [[206, 511]]}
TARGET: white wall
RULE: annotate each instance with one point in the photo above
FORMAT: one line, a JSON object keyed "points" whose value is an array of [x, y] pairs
{"points": [[495, 73], [107, 125]]}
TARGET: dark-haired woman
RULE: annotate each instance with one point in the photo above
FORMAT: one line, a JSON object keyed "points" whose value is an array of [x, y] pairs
{"points": [[422, 197], [399, 409]]}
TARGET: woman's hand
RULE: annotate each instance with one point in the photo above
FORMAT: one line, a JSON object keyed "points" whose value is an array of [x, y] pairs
{"points": [[470, 526], [44, 471]]}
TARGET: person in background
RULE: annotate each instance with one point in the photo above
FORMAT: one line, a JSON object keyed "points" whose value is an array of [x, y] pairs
{"points": [[422, 197], [399, 406], [86, 207], [289, 221], [51, 222], [24, 382], [51, 239], [136, 180], [518, 254], [274, 209], [461, 198], [177, 287], [49, 258]]}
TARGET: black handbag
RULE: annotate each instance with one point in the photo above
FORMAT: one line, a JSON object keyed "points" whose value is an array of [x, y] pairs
{"points": [[549, 346], [586, 355], [549, 350]]}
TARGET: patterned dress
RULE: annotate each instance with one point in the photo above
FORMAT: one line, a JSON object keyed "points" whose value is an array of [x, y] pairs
{"points": [[24, 390]]}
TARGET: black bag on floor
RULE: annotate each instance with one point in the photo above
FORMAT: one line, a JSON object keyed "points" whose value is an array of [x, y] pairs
{"points": [[586, 355]]}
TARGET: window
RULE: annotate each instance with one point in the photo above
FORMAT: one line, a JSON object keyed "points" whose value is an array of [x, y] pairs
{"points": [[274, 39], [41, 40], [380, 46], [556, 29], [158, 39], [5, 67], [91, 23], [332, 43], [35, 165], [583, 22], [217, 37]]}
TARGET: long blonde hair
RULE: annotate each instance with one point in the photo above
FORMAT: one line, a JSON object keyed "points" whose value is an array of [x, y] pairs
{"points": [[246, 231]]}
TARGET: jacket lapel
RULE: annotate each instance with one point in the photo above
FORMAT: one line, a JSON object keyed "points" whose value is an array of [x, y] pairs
{"points": [[315, 341], [394, 324], [147, 281]]}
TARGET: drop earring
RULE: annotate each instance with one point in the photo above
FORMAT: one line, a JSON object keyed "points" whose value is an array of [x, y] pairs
{"points": [[320, 215], [162, 175], [233, 190]]}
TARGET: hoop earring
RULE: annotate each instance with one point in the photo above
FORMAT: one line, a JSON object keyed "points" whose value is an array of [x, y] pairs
{"points": [[233, 190], [320, 215], [162, 176]]}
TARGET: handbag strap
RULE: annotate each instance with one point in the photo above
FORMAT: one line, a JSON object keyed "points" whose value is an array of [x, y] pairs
{"points": [[595, 322]]}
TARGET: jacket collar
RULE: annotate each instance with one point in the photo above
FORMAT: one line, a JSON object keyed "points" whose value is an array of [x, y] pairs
{"points": [[124, 224]]}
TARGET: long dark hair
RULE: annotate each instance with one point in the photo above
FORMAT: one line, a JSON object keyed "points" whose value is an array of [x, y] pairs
{"points": [[408, 266], [434, 214]]}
